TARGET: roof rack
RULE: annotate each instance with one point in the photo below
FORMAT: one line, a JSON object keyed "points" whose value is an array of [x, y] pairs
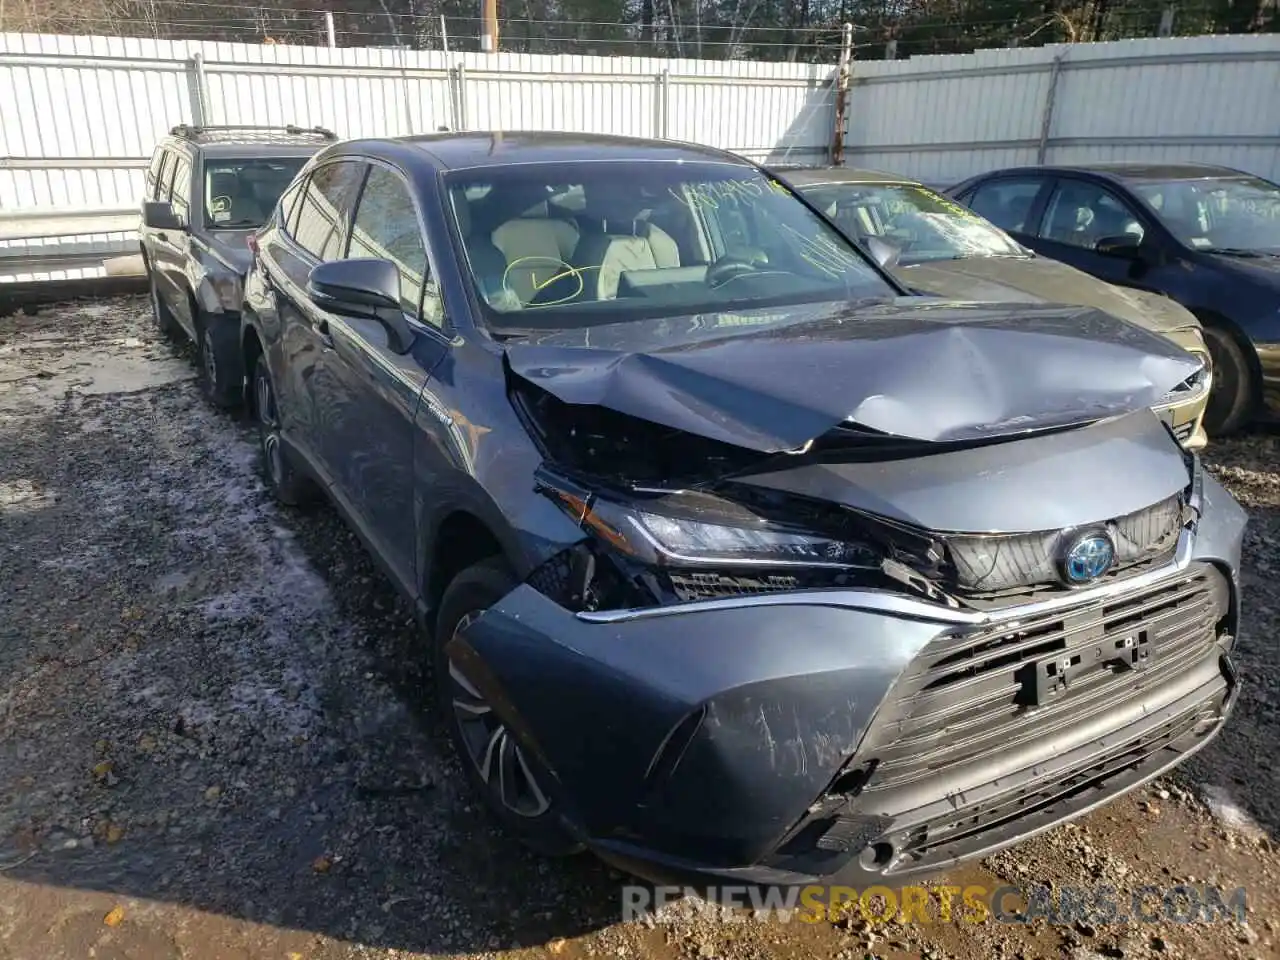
{"points": [[206, 133]]}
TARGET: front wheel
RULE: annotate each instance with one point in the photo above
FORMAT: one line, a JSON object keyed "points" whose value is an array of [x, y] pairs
{"points": [[1231, 396], [219, 373], [161, 315], [515, 786], [289, 485]]}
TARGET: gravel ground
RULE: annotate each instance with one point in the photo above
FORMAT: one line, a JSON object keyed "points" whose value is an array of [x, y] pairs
{"points": [[211, 743]]}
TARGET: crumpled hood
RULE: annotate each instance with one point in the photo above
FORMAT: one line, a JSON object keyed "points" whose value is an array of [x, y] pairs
{"points": [[916, 368], [1043, 279]]}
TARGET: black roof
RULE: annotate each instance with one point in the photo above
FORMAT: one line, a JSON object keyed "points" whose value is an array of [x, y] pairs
{"points": [[457, 151], [1133, 170]]}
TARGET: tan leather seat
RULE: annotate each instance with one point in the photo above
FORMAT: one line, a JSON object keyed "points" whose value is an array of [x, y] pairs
{"points": [[645, 247], [536, 249]]}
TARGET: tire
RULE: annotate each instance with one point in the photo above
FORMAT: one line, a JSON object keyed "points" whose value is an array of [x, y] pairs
{"points": [[161, 315], [1231, 396], [520, 801], [287, 483], [217, 365]]}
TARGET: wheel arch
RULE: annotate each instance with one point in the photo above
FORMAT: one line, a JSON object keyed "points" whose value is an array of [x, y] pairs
{"points": [[460, 536], [1220, 321]]}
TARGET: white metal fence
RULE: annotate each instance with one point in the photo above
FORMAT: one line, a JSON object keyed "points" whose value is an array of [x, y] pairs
{"points": [[944, 118], [81, 114]]}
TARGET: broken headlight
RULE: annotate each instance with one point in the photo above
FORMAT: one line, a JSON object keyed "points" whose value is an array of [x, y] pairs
{"points": [[1193, 385], [701, 531]]}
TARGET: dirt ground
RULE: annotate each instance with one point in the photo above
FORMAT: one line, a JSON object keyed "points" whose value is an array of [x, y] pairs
{"points": [[211, 741]]}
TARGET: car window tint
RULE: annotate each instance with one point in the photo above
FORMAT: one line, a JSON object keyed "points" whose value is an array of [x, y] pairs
{"points": [[182, 189], [1081, 213], [153, 173], [386, 227], [164, 177], [1007, 203], [321, 228], [240, 193], [289, 205]]}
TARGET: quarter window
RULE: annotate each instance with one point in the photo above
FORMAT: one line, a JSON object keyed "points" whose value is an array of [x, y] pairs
{"points": [[1007, 203], [321, 228], [386, 227]]}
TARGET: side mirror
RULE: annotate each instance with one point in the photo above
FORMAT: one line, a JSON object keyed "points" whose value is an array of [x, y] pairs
{"points": [[1126, 246], [159, 215], [883, 252], [367, 288]]}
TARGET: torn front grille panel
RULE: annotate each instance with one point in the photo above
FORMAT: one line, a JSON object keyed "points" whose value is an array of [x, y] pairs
{"points": [[996, 564], [972, 695]]}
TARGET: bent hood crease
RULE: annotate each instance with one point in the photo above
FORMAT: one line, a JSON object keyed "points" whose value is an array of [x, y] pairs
{"points": [[932, 371]]}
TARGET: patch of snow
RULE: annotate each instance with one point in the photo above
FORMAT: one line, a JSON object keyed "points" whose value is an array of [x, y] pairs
{"points": [[1223, 805]]}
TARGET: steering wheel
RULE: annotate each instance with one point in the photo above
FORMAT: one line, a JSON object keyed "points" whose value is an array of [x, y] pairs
{"points": [[726, 269]]}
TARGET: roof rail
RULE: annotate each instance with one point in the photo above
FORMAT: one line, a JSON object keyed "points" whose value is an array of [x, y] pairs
{"points": [[191, 132]]}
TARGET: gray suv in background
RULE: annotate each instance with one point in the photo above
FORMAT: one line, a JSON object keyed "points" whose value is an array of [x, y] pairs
{"points": [[207, 190]]}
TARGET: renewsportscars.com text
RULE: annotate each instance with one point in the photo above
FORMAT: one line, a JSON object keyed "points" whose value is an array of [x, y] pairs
{"points": [[1060, 904]]}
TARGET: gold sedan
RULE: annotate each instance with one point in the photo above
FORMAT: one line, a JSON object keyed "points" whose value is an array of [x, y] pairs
{"points": [[934, 245]]}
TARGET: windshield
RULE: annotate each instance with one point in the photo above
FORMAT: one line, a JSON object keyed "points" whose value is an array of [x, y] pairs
{"points": [[1232, 213], [923, 225], [240, 194], [578, 244]]}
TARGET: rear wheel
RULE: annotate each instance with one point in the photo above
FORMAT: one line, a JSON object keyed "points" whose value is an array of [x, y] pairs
{"points": [[289, 485], [515, 786], [1231, 397]]}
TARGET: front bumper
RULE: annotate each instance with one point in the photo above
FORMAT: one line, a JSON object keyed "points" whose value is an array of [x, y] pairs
{"points": [[806, 737]]}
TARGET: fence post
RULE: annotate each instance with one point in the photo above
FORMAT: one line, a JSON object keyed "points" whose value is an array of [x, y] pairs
{"points": [[1055, 68], [197, 90], [458, 96], [662, 128], [842, 96]]}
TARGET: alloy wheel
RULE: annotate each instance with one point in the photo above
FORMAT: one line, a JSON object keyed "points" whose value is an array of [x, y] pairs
{"points": [[490, 746], [268, 424]]}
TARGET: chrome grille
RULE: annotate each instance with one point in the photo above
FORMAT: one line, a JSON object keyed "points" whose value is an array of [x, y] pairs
{"points": [[992, 564], [980, 692]]}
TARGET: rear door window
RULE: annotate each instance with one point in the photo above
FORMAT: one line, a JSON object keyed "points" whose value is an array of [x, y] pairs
{"points": [[1008, 203], [326, 207]]}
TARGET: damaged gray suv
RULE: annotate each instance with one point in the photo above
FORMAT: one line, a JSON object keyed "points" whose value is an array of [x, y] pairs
{"points": [[738, 562]]}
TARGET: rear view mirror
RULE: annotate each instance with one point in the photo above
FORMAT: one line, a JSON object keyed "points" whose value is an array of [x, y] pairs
{"points": [[368, 288], [159, 215], [883, 252], [1124, 245]]}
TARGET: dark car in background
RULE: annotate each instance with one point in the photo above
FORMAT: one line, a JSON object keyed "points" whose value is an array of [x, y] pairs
{"points": [[1207, 237], [934, 245], [738, 562], [207, 189]]}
